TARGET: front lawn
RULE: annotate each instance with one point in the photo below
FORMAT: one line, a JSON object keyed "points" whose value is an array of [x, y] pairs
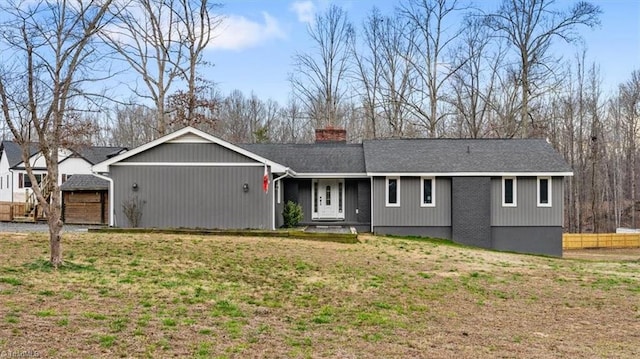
{"points": [[172, 295]]}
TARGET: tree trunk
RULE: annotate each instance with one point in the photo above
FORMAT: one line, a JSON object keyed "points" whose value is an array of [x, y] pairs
{"points": [[55, 240]]}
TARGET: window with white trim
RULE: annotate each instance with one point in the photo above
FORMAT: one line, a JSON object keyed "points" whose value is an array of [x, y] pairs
{"points": [[392, 191], [428, 192], [509, 192], [544, 192]]}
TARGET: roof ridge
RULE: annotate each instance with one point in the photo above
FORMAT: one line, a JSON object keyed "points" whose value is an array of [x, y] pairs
{"points": [[451, 139]]}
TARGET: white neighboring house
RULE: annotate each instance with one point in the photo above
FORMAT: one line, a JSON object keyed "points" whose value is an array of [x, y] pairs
{"points": [[15, 185]]}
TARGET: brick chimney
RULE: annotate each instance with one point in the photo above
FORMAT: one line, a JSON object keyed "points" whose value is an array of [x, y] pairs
{"points": [[331, 135]]}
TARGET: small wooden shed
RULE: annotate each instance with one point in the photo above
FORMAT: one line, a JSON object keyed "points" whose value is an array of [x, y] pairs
{"points": [[85, 200]]}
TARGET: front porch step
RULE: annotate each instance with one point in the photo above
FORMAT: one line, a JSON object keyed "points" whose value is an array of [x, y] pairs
{"points": [[24, 219]]}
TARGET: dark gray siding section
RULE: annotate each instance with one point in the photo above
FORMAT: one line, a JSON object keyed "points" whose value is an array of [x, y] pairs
{"points": [[536, 240], [527, 212], [351, 200], [433, 232], [189, 152], [410, 213], [304, 198], [205, 197], [357, 196], [299, 191], [471, 221], [364, 201]]}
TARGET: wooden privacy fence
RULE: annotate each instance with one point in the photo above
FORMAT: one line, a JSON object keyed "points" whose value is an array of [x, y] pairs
{"points": [[10, 209], [600, 240]]}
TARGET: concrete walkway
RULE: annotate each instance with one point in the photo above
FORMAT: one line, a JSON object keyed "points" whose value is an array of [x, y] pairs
{"points": [[329, 229]]}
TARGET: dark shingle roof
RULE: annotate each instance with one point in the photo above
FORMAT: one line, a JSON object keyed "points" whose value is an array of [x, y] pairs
{"points": [[14, 152], [93, 154], [97, 154], [313, 158], [462, 155], [84, 183]]}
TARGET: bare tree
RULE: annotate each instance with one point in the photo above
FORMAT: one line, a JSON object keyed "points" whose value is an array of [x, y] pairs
{"points": [[530, 26], [52, 47], [476, 80], [386, 75], [368, 68], [292, 127], [428, 21], [196, 22], [162, 41], [130, 126], [319, 80]]}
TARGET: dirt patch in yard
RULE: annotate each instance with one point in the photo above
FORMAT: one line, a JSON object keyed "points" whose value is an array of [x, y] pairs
{"points": [[161, 295]]}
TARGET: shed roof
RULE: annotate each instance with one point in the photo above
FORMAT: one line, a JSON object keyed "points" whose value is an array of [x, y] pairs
{"points": [[84, 183], [462, 156]]}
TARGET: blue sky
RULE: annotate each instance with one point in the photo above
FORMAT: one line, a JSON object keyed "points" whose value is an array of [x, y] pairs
{"points": [[260, 37]]}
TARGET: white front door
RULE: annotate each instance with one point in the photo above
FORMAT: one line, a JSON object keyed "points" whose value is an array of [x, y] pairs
{"points": [[329, 198]]}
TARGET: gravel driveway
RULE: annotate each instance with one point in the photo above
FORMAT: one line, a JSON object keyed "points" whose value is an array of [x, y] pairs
{"points": [[37, 227]]}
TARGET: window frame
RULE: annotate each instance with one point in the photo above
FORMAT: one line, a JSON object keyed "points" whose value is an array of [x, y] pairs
{"points": [[549, 190], [386, 191], [514, 190], [433, 191]]}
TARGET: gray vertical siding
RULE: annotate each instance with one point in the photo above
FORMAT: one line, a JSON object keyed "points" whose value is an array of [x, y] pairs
{"points": [[410, 213], [527, 213], [537, 240], [205, 197], [471, 219], [189, 152]]}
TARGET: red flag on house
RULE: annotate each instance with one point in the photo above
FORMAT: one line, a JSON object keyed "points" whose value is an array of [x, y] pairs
{"points": [[265, 179]]}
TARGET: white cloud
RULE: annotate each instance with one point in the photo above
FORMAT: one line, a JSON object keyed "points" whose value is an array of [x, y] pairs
{"points": [[237, 32], [305, 10]]}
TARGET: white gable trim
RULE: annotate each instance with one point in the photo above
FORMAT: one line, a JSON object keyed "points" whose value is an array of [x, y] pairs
{"points": [[191, 164], [186, 135]]}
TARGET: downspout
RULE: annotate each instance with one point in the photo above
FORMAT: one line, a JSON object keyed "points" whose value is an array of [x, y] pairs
{"points": [[273, 204], [11, 170], [372, 205], [112, 215]]}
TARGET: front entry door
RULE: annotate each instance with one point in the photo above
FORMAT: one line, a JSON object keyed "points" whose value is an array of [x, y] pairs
{"points": [[330, 198]]}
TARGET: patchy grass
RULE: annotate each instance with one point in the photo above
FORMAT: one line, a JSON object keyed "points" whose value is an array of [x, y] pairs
{"points": [[182, 295]]}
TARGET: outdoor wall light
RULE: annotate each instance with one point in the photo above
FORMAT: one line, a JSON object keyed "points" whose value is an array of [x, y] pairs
{"points": [[134, 186], [245, 187]]}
